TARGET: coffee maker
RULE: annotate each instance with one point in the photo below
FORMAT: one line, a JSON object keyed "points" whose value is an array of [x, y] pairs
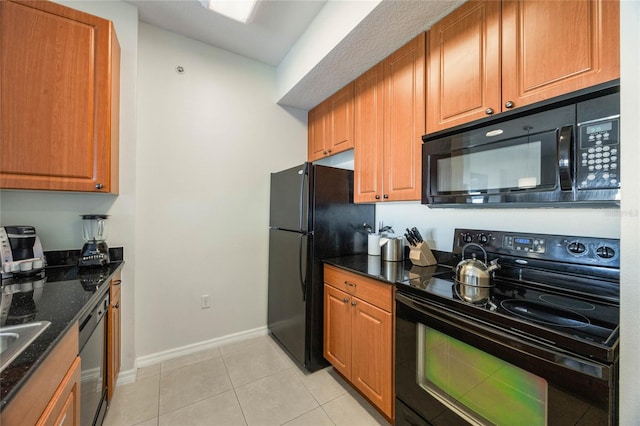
{"points": [[95, 251], [21, 252]]}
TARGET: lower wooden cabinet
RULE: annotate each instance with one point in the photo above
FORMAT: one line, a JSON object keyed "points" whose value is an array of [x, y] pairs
{"points": [[114, 330], [52, 393], [64, 407], [358, 333]]}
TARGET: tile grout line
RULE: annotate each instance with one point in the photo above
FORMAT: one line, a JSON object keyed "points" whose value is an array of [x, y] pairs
{"points": [[233, 387]]}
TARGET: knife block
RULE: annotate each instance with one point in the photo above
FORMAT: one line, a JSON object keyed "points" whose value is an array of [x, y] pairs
{"points": [[421, 255]]}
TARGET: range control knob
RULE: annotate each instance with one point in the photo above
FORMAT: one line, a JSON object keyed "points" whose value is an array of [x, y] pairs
{"points": [[466, 238], [483, 238], [605, 252], [576, 248]]}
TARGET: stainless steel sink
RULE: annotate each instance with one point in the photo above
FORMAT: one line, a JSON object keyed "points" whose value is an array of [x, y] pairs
{"points": [[15, 339]]}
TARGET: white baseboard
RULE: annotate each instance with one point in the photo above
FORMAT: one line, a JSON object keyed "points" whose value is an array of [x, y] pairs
{"points": [[128, 376], [149, 360]]}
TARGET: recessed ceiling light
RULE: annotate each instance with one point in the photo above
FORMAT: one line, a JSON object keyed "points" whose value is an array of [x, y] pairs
{"points": [[239, 10]]}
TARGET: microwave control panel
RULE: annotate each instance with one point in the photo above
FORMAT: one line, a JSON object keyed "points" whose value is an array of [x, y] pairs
{"points": [[598, 156]]}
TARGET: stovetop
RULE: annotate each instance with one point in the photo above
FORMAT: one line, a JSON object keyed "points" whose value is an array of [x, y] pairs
{"points": [[571, 303]]}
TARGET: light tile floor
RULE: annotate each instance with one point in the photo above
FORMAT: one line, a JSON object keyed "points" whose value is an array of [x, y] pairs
{"points": [[252, 382]]}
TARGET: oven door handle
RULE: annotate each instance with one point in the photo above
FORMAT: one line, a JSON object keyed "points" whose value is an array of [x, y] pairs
{"points": [[489, 336], [565, 158]]}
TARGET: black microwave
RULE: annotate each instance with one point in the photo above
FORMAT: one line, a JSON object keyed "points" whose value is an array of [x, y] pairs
{"points": [[563, 152]]}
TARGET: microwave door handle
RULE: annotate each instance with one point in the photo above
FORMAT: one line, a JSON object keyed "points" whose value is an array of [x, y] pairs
{"points": [[565, 158]]}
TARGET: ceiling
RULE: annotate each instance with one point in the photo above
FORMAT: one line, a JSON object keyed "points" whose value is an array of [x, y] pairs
{"points": [[278, 24], [275, 27]]}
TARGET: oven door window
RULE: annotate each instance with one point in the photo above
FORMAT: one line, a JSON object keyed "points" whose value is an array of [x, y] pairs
{"points": [[521, 164], [479, 387]]}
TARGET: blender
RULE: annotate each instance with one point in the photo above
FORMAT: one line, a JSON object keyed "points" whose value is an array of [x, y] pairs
{"points": [[95, 251]]}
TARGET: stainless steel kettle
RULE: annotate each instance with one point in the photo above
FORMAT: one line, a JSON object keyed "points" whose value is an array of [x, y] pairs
{"points": [[474, 276]]}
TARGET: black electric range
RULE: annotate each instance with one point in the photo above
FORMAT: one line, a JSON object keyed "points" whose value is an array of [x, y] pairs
{"points": [[561, 291]]}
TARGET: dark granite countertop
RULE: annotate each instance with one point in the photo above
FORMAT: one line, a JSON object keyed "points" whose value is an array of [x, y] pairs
{"points": [[62, 296], [389, 272]]}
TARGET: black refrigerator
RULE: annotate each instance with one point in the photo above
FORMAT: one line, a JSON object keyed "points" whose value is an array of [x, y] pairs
{"points": [[312, 217]]}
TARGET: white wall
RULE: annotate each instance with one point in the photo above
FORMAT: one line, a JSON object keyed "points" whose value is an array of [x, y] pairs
{"points": [[630, 214], [437, 225], [56, 214], [207, 141]]}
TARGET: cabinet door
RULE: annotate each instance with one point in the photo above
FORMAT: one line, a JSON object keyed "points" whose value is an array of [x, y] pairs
{"points": [[64, 407], [60, 92], [337, 329], [554, 47], [317, 147], [371, 370], [341, 120], [368, 136], [404, 121], [114, 333], [463, 66]]}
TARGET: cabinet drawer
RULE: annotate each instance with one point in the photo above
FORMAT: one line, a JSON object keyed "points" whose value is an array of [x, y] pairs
{"points": [[368, 289]]}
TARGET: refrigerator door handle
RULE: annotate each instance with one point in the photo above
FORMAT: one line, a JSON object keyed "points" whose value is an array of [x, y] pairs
{"points": [[304, 172], [303, 269]]}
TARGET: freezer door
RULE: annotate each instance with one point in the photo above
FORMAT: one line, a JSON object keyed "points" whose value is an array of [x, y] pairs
{"points": [[289, 208], [287, 296]]}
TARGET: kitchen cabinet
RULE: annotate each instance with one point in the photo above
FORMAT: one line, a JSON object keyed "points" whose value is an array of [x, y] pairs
{"points": [[51, 395], [389, 122], [330, 125], [114, 332], [59, 122], [64, 408], [358, 333], [488, 57]]}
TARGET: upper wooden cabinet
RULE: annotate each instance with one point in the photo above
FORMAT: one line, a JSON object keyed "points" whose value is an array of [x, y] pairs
{"points": [[331, 125], [389, 122], [59, 120], [547, 48]]}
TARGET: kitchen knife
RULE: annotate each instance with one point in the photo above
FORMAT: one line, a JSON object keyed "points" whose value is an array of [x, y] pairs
{"points": [[416, 234], [410, 238]]}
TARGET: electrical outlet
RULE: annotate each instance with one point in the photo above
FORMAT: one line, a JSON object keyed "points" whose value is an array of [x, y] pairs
{"points": [[205, 302]]}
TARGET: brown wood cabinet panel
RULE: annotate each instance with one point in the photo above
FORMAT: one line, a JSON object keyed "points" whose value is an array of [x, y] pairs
{"points": [[389, 122], [60, 92], [372, 360], [330, 125], [463, 65], [317, 130], [358, 336], [337, 330], [404, 121], [114, 333], [487, 57], [368, 136], [64, 408], [34, 397], [554, 47], [341, 125], [372, 291]]}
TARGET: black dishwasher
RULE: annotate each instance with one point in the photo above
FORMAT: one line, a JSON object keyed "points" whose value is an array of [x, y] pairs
{"points": [[93, 386]]}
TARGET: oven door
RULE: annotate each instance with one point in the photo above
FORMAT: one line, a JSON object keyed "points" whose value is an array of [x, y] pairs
{"points": [[452, 370]]}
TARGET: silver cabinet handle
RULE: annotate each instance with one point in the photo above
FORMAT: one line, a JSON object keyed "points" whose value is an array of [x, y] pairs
{"points": [[488, 111], [509, 104], [353, 303], [345, 300], [98, 186]]}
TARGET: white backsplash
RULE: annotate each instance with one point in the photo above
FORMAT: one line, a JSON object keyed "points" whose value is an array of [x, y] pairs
{"points": [[437, 224]]}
